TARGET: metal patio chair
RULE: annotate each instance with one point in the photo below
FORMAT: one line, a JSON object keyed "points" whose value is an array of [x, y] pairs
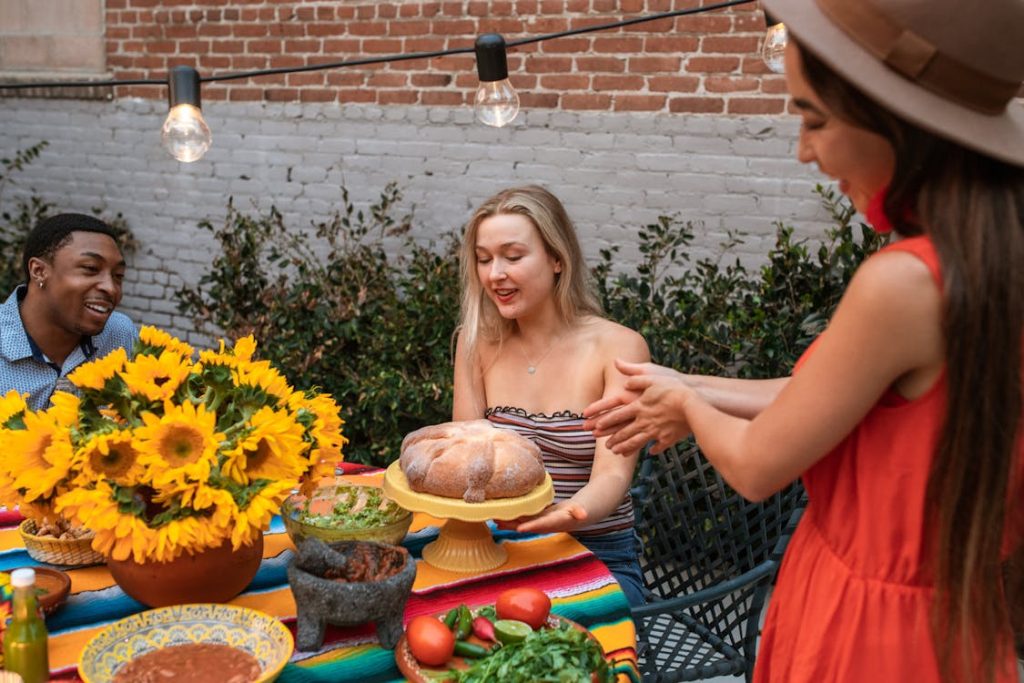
{"points": [[709, 559]]}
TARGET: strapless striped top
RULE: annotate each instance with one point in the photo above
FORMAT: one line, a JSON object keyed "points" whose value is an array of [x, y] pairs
{"points": [[568, 452]]}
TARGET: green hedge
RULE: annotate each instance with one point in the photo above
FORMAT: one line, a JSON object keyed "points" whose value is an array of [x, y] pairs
{"points": [[333, 309]]}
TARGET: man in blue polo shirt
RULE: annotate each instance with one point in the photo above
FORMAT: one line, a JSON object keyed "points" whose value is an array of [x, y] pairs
{"points": [[63, 316]]}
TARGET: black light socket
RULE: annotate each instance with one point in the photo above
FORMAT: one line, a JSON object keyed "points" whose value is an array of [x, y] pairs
{"points": [[183, 86], [769, 20], [491, 59]]}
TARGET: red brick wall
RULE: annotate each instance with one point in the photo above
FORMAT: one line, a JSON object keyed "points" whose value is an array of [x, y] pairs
{"points": [[707, 63]]}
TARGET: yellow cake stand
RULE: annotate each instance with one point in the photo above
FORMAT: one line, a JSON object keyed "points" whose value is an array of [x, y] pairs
{"points": [[465, 543]]}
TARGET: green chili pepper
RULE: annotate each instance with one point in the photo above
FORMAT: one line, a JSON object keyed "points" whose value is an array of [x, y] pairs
{"points": [[451, 618], [465, 624], [470, 650]]}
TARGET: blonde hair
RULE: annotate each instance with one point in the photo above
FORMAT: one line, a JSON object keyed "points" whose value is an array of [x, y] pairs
{"points": [[574, 293]]}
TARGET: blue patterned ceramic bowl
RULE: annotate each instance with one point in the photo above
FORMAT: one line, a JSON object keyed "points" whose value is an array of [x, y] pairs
{"points": [[249, 630]]}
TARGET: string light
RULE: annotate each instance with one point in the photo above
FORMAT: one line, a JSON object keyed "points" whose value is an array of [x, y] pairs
{"points": [[773, 48], [186, 136], [497, 102]]}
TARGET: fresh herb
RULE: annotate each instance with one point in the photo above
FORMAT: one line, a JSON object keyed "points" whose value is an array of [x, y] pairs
{"points": [[553, 655]]}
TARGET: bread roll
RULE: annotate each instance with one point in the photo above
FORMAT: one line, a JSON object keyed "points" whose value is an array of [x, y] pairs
{"points": [[471, 460]]}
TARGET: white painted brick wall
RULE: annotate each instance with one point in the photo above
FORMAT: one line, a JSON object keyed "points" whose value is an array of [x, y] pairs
{"points": [[615, 172]]}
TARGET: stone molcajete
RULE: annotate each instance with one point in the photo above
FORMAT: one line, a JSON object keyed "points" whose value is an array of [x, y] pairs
{"points": [[348, 583]]}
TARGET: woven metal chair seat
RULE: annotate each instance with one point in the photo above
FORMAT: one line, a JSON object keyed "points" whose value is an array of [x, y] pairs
{"points": [[709, 559]]}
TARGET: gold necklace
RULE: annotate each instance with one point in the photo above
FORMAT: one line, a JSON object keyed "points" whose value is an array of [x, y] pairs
{"points": [[531, 367]]}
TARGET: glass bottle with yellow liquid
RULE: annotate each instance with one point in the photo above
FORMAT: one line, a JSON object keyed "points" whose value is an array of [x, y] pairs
{"points": [[25, 638]]}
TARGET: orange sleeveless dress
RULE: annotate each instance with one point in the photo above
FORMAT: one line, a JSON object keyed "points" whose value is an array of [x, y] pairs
{"points": [[853, 595]]}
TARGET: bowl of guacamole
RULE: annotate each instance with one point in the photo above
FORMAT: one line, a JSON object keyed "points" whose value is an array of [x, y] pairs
{"points": [[345, 512]]}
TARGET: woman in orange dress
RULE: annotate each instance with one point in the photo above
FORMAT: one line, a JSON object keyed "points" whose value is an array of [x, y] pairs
{"points": [[904, 418]]}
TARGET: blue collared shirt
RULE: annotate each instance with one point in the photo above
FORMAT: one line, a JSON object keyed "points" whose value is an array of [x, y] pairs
{"points": [[24, 367]]}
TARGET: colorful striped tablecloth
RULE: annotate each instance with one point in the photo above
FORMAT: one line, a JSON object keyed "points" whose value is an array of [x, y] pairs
{"points": [[580, 586]]}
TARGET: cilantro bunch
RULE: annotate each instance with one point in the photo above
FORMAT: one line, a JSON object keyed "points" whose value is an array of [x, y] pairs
{"points": [[551, 655]]}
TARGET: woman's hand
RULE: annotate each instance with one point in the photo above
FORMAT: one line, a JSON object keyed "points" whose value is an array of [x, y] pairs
{"points": [[564, 516], [649, 409]]}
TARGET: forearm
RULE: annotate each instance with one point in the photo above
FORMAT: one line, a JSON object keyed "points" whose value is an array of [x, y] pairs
{"points": [[603, 493], [748, 454], [744, 398]]}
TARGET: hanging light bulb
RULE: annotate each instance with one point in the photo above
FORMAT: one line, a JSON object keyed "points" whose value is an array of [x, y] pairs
{"points": [[185, 135], [773, 49], [497, 102]]}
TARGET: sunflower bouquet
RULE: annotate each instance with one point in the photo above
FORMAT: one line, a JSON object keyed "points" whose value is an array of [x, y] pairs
{"points": [[160, 454]]}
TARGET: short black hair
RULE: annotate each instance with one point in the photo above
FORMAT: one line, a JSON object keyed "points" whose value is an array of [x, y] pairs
{"points": [[50, 234]]}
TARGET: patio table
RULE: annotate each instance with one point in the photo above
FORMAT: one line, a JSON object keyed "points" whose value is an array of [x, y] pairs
{"points": [[581, 588]]}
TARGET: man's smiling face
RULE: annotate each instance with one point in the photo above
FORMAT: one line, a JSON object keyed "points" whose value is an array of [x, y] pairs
{"points": [[82, 283]]}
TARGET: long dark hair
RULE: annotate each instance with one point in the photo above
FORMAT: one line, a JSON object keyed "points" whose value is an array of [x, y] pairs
{"points": [[972, 208]]}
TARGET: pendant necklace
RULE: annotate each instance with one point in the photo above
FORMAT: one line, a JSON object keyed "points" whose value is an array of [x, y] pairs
{"points": [[531, 367]]}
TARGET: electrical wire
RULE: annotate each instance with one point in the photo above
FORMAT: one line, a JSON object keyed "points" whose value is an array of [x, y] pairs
{"points": [[383, 59]]}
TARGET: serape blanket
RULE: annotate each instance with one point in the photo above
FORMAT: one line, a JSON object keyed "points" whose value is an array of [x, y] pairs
{"points": [[581, 588]]}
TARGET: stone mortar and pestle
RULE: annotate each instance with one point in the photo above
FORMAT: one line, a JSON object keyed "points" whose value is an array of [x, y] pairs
{"points": [[346, 583]]}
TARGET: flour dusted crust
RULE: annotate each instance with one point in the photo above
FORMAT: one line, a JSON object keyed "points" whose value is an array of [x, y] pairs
{"points": [[471, 460]]}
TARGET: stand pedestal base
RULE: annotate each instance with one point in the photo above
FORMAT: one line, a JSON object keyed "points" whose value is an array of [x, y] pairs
{"points": [[465, 547]]}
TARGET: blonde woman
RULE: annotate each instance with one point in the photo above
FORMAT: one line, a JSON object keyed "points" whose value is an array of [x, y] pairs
{"points": [[534, 350]]}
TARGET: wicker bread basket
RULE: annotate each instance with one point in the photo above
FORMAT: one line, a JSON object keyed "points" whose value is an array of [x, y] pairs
{"points": [[70, 551]]}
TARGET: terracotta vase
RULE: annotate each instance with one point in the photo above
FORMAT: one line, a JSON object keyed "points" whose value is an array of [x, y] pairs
{"points": [[214, 575]]}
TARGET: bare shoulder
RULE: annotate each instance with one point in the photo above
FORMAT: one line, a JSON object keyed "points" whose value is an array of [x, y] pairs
{"points": [[892, 309], [612, 340], [898, 281], [484, 352]]}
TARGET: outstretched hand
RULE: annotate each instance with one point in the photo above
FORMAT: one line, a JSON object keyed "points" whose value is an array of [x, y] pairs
{"points": [[564, 516], [649, 409]]}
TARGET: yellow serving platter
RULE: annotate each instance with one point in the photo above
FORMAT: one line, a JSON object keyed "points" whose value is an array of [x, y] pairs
{"points": [[249, 630]]}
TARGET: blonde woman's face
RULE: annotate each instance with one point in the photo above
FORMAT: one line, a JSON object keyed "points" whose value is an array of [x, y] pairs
{"points": [[862, 162], [516, 272]]}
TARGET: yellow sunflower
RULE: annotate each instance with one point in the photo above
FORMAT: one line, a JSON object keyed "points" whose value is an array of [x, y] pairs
{"points": [[118, 534], [112, 456], [248, 522], [219, 357], [180, 447], [40, 456], [156, 377], [325, 432], [151, 336], [94, 374], [326, 429], [262, 375], [244, 348], [11, 404], [64, 410], [271, 449]]}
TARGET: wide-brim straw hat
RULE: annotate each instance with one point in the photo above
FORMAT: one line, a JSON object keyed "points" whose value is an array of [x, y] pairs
{"points": [[953, 67]]}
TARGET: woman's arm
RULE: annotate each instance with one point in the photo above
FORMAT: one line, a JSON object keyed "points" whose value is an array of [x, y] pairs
{"points": [[737, 397], [611, 474], [469, 400], [886, 331]]}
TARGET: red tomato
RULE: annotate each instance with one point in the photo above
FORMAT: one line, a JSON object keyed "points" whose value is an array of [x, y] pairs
{"points": [[430, 640], [524, 604]]}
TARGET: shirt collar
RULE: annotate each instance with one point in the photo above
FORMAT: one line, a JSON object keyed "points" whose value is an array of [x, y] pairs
{"points": [[15, 341]]}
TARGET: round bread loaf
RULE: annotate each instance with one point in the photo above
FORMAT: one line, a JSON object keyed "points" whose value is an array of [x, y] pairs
{"points": [[472, 460]]}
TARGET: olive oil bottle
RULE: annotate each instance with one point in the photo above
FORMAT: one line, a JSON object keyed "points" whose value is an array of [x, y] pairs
{"points": [[25, 638]]}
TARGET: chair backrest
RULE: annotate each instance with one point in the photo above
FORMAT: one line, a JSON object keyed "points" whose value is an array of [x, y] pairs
{"points": [[702, 539]]}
